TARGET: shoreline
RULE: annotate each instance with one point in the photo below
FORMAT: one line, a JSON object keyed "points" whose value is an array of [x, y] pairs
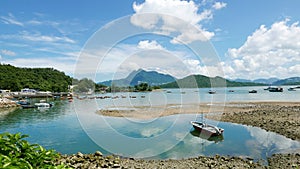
{"points": [[279, 117], [263, 114]]}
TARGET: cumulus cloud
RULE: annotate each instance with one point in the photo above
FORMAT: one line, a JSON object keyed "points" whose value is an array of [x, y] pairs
{"points": [[268, 52], [188, 11], [219, 5], [146, 44]]}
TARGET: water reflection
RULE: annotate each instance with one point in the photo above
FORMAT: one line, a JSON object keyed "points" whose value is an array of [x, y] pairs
{"points": [[19, 117], [166, 137], [199, 134]]}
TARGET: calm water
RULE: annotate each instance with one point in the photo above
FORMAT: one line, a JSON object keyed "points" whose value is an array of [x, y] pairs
{"points": [[72, 127]]}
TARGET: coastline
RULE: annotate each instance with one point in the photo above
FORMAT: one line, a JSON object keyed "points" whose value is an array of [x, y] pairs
{"points": [[261, 114], [279, 117]]}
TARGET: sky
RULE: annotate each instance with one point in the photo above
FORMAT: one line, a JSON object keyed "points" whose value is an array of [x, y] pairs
{"points": [[102, 40]]}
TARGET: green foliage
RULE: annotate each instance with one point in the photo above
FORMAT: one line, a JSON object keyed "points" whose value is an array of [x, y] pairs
{"points": [[143, 87], [43, 79], [84, 85], [15, 152]]}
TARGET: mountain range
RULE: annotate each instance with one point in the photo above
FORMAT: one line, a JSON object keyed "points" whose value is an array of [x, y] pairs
{"points": [[136, 77], [154, 78], [273, 81]]}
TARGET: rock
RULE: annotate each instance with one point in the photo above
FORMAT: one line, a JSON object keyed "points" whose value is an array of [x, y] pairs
{"points": [[116, 166], [98, 153], [79, 154]]}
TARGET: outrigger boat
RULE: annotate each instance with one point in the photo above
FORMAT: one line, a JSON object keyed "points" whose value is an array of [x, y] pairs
{"points": [[207, 129]]}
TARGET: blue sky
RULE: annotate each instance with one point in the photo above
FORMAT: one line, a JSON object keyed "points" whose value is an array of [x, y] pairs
{"points": [[252, 39]]}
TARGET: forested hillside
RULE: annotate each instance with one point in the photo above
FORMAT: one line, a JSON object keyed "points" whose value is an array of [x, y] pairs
{"points": [[43, 79]]}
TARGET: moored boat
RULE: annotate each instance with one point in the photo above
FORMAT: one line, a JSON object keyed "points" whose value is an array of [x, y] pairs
{"points": [[291, 89], [212, 92], [207, 129], [276, 89], [252, 91], [42, 105]]}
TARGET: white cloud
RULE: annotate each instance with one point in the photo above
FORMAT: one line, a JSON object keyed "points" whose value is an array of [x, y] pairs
{"points": [[219, 5], [188, 11], [7, 52], [185, 10], [268, 52], [45, 38], [10, 19], [146, 44]]}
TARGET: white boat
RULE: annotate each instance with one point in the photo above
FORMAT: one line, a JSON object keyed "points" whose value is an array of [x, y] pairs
{"points": [[42, 105], [207, 129]]}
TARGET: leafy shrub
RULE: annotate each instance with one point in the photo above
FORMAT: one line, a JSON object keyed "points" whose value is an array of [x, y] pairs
{"points": [[15, 152]]}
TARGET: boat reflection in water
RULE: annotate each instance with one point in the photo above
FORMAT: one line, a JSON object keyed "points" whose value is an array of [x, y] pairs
{"points": [[215, 138]]}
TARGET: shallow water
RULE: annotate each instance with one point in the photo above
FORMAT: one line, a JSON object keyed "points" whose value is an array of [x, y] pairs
{"points": [[72, 127]]}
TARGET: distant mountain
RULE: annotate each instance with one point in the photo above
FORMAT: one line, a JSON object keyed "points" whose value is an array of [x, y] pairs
{"points": [[200, 81], [266, 81], [153, 78], [242, 80], [274, 81], [263, 81], [288, 81]]}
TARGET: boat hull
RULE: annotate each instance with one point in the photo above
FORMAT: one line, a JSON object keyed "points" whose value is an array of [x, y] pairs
{"points": [[206, 129]]}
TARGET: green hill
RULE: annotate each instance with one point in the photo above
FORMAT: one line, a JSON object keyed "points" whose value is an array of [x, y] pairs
{"points": [[152, 78], [43, 79], [200, 81]]}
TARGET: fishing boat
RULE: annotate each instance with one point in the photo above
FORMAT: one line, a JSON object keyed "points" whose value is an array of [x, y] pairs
{"points": [[212, 92], [42, 105], [291, 89], [207, 129], [276, 89], [268, 88], [252, 91]]}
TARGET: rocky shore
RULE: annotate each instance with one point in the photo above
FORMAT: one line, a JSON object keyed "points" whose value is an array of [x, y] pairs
{"points": [[282, 118], [97, 161], [7, 103]]}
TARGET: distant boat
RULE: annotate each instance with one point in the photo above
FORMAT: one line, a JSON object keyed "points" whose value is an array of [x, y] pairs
{"points": [[212, 92], [252, 91], [42, 105], [230, 91], [169, 92], [207, 129], [291, 89], [276, 89], [23, 102], [268, 88]]}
